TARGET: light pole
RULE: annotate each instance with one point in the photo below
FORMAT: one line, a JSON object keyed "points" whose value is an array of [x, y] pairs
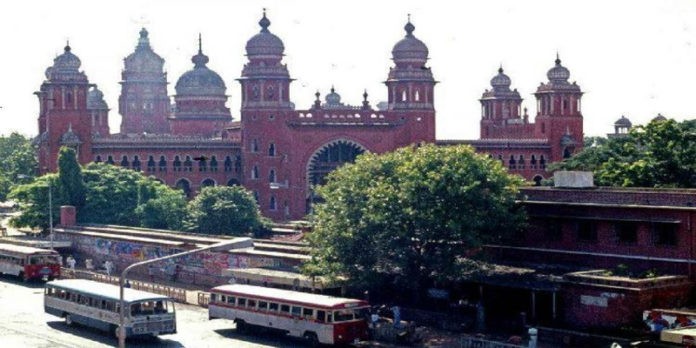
{"points": [[234, 243]]}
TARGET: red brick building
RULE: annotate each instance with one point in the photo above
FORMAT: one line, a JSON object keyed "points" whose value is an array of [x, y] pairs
{"points": [[277, 151]]}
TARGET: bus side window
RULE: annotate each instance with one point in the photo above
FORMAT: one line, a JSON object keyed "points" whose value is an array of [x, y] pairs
{"points": [[263, 306], [230, 300], [321, 316], [284, 308], [273, 307], [223, 298], [296, 311], [328, 317], [213, 297], [308, 313], [241, 302], [251, 304]]}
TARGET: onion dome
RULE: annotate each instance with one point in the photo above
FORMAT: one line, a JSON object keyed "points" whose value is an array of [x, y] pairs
{"points": [[265, 43], [65, 67], [623, 122], [410, 49], [558, 74], [200, 80], [501, 81], [69, 138], [95, 99], [333, 98]]}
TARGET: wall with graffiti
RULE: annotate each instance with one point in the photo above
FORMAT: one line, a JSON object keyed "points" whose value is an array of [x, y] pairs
{"points": [[199, 268]]}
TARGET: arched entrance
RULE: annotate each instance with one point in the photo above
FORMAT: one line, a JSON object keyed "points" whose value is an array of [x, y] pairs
{"points": [[325, 160], [184, 185]]}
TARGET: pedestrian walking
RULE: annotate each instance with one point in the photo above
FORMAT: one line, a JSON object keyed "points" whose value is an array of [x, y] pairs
{"points": [[71, 263], [151, 272], [108, 266]]}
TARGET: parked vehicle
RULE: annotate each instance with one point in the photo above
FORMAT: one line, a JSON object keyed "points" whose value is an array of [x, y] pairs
{"points": [[316, 318]]}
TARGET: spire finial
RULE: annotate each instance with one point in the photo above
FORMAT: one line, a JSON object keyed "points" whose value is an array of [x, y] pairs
{"points": [[365, 94], [558, 58], [317, 94], [500, 70], [264, 22], [67, 45], [333, 90], [409, 27], [200, 44]]}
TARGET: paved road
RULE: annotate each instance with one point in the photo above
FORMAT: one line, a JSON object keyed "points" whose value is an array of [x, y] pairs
{"points": [[23, 323]]}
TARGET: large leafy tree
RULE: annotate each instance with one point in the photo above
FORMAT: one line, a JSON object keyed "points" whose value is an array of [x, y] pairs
{"points": [[33, 198], [411, 216], [659, 154], [160, 206], [18, 160], [224, 210]]}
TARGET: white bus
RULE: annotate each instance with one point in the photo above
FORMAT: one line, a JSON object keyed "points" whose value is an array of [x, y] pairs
{"points": [[29, 262], [316, 318], [96, 305]]}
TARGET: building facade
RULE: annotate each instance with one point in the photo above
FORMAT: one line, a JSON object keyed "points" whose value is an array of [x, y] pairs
{"points": [[191, 140]]}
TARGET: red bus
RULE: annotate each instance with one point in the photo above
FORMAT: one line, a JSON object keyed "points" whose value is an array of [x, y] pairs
{"points": [[28, 262], [316, 318]]}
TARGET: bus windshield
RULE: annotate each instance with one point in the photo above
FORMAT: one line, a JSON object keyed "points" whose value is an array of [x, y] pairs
{"points": [[351, 314], [43, 260], [151, 307]]}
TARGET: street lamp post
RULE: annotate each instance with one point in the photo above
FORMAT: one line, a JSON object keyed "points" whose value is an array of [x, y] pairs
{"points": [[234, 243]]}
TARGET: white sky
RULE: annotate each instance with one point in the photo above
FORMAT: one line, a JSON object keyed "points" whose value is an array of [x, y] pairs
{"points": [[630, 57]]}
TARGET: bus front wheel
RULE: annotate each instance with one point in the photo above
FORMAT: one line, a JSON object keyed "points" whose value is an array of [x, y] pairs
{"points": [[311, 339], [241, 326], [68, 320]]}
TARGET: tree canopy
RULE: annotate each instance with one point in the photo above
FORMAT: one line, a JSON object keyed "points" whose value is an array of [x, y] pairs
{"points": [[224, 210], [659, 154], [411, 216], [18, 159]]}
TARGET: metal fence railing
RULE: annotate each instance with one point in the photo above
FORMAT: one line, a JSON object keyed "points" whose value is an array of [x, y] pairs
{"points": [[474, 342]]}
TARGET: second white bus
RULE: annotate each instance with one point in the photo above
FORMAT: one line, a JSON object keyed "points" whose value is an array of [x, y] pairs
{"points": [[316, 318]]}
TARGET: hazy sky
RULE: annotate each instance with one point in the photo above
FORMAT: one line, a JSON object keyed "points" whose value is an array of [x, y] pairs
{"points": [[630, 57]]}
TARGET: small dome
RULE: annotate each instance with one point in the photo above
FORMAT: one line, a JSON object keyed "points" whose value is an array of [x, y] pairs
{"points": [[501, 81], [623, 122], [559, 73], [333, 98], [659, 118], [144, 59], [69, 138], [265, 43], [410, 48], [200, 80], [95, 99], [65, 66]]}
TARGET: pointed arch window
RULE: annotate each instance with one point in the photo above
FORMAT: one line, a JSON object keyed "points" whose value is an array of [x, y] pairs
{"points": [[272, 204], [124, 162], [512, 163], [188, 164], [255, 172], [272, 176], [177, 164], [162, 164], [110, 160], [151, 164], [542, 162], [271, 150], [98, 159], [403, 95], [136, 163], [228, 164], [417, 96], [533, 162], [213, 164], [202, 164], [254, 145], [520, 162]]}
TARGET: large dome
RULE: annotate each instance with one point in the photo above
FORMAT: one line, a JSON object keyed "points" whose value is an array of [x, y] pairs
{"points": [[144, 59], [265, 43], [410, 48], [65, 67], [200, 80], [501, 81], [559, 73]]}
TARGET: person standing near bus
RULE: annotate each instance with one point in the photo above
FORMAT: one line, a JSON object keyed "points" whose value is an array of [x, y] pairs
{"points": [[108, 266], [71, 263], [151, 272]]}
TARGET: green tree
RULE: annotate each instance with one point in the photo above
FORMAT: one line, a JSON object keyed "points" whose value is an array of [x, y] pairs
{"points": [[224, 210], [659, 154], [160, 206], [18, 158], [412, 216], [70, 174], [33, 200]]}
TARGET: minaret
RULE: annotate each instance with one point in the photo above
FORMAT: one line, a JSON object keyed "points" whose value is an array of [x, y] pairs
{"points": [[410, 84], [64, 119], [500, 106], [559, 117], [144, 103]]}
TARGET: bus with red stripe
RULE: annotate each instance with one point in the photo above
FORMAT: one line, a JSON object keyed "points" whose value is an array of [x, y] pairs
{"points": [[316, 318], [29, 262]]}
